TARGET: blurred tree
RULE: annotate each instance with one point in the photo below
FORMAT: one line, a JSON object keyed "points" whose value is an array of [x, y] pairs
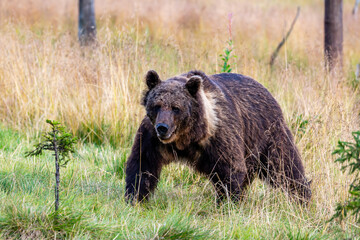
{"points": [[87, 26], [333, 44]]}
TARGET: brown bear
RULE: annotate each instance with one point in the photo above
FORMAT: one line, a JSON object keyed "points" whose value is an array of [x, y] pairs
{"points": [[226, 126]]}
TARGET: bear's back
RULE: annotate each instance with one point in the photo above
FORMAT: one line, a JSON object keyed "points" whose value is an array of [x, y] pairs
{"points": [[240, 85], [245, 92]]}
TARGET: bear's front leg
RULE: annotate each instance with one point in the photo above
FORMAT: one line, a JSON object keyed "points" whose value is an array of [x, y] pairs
{"points": [[229, 184], [144, 164], [225, 166]]}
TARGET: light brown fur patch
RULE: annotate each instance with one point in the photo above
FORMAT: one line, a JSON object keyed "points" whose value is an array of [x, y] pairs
{"points": [[209, 104]]}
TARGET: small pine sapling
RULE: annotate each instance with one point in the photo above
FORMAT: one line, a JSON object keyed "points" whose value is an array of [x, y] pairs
{"points": [[226, 67], [62, 144], [349, 156]]}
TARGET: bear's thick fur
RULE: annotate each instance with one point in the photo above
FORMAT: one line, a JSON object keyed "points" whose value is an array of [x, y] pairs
{"points": [[226, 126]]}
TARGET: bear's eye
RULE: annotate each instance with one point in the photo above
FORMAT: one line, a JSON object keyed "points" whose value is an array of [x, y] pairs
{"points": [[175, 109], [157, 108]]}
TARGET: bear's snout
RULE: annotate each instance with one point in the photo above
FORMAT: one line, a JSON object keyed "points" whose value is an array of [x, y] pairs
{"points": [[165, 126], [162, 129]]}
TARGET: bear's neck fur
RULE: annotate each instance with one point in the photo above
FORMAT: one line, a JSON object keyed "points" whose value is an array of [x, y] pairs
{"points": [[204, 114]]}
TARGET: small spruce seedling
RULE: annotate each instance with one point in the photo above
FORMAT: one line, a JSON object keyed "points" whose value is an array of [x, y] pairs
{"points": [[349, 156], [62, 144]]}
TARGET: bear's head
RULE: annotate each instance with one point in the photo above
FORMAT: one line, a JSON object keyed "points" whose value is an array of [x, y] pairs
{"points": [[175, 108]]}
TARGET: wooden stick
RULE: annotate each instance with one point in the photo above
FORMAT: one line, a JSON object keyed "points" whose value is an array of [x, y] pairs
{"points": [[275, 53], [354, 11]]}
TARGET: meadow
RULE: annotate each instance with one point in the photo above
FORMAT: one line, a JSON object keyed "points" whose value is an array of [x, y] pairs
{"points": [[95, 92]]}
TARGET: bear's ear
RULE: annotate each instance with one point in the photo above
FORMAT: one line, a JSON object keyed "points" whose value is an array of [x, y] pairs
{"points": [[193, 85], [152, 79]]}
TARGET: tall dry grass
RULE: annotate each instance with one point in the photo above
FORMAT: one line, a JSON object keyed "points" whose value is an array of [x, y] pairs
{"points": [[44, 74]]}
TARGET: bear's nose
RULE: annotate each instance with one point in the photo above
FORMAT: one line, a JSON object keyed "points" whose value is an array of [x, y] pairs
{"points": [[162, 128]]}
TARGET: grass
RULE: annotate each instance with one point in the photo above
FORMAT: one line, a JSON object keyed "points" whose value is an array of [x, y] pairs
{"points": [[183, 207], [44, 74]]}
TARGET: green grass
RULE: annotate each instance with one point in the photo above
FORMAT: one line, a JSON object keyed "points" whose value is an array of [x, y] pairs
{"points": [[183, 207]]}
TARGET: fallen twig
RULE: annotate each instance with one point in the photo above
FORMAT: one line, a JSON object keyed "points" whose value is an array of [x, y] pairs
{"points": [[275, 53]]}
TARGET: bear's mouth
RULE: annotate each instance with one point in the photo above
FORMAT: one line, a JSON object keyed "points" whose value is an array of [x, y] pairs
{"points": [[168, 137]]}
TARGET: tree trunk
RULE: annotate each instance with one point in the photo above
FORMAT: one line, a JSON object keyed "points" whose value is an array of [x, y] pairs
{"points": [[333, 34], [87, 26]]}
